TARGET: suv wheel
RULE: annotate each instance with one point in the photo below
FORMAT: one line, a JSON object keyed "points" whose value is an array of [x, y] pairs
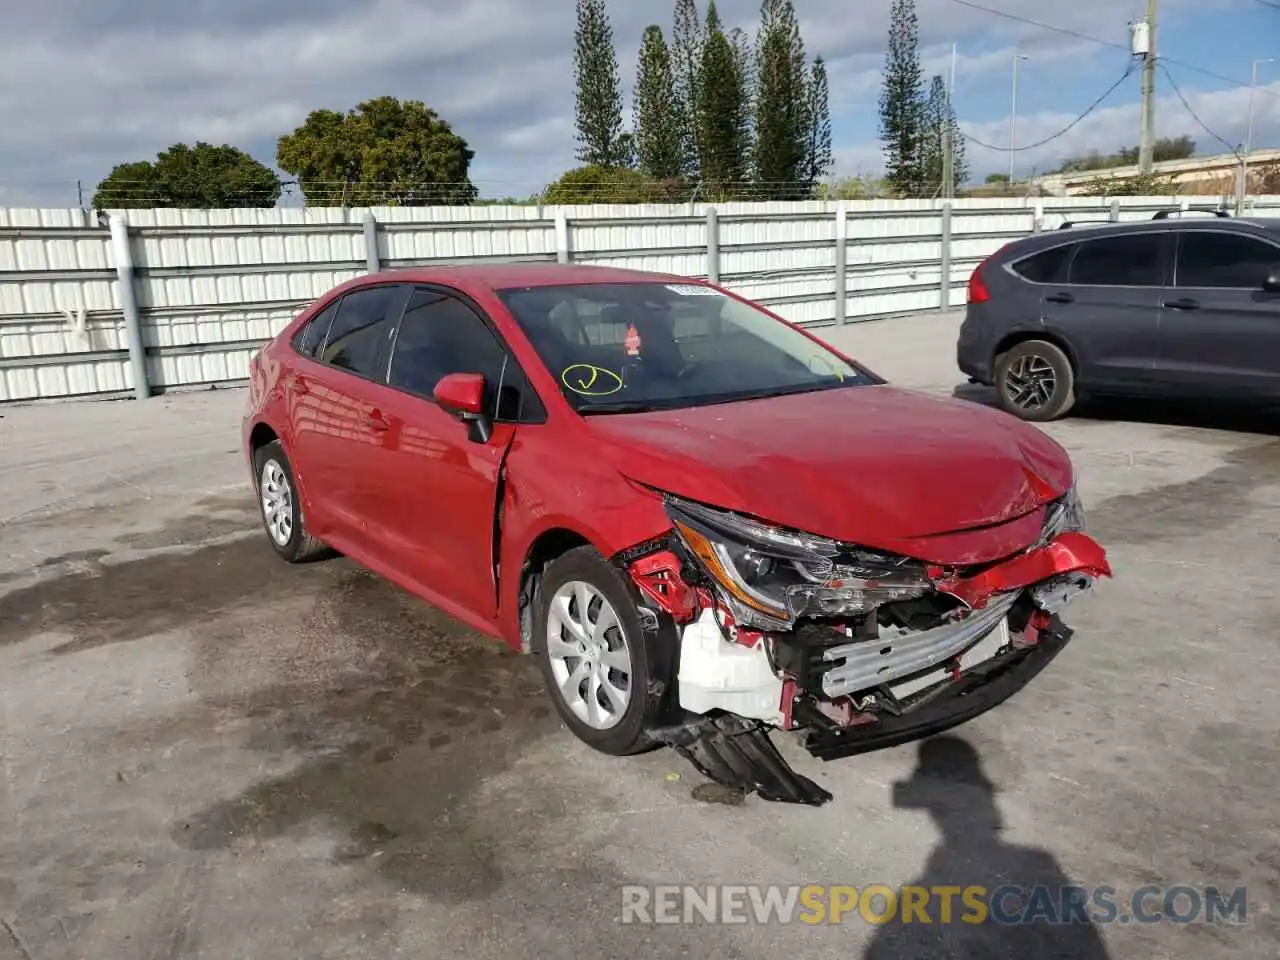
{"points": [[1034, 381], [593, 652]]}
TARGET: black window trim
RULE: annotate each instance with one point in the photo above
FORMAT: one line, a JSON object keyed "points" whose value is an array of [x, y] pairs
{"points": [[1249, 234], [404, 295], [1163, 237], [525, 415]]}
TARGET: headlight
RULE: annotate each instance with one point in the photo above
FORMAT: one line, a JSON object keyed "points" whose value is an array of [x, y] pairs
{"points": [[1064, 514], [770, 576]]}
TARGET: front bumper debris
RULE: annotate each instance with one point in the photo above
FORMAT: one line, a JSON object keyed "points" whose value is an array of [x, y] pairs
{"points": [[737, 753]]}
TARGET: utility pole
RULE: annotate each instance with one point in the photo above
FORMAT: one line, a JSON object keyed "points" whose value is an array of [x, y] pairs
{"points": [[1013, 111], [1242, 179], [948, 145], [1147, 136]]}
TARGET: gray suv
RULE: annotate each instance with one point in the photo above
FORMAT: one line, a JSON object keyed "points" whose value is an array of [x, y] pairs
{"points": [[1183, 307]]}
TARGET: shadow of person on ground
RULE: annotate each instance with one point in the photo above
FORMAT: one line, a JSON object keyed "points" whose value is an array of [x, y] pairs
{"points": [[950, 784], [1203, 414]]}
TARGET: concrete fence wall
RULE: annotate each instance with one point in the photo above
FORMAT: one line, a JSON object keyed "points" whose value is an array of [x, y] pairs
{"points": [[165, 299]]}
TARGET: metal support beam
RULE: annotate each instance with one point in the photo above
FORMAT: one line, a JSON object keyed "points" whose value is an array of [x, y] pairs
{"points": [[842, 263], [944, 293], [713, 245], [372, 261], [122, 253], [562, 237]]}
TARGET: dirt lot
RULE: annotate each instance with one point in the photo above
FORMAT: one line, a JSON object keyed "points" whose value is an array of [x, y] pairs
{"points": [[208, 753]]}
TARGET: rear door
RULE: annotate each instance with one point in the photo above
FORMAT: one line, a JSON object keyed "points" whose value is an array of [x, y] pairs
{"points": [[333, 415], [1108, 308], [1220, 331]]}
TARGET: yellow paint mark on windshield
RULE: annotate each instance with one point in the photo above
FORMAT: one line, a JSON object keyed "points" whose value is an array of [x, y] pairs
{"points": [[588, 380], [830, 364]]}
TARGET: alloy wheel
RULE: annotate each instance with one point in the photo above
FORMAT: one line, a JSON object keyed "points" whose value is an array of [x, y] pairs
{"points": [[1030, 382], [589, 655]]}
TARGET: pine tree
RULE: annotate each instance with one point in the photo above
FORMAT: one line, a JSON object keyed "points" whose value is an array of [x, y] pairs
{"points": [[599, 97], [901, 104], [939, 117], [781, 128], [657, 129], [744, 55], [721, 113], [818, 158], [687, 40]]}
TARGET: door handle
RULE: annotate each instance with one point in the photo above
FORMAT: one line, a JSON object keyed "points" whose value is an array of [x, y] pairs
{"points": [[374, 420], [1060, 298], [1186, 303]]}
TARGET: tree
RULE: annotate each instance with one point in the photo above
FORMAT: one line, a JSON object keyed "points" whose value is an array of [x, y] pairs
{"points": [[657, 128], [1165, 148], [901, 105], [203, 176], [817, 157], [782, 127], [721, 113], [687, 40], [599, 96], [939, 120], [744, 56], [599, 184], [383, 152]]}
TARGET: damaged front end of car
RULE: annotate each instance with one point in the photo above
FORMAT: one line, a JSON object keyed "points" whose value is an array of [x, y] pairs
{"points": [[854, 649]]}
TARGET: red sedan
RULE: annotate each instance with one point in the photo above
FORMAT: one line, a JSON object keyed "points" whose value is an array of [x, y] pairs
{"points": [[705, 522]]}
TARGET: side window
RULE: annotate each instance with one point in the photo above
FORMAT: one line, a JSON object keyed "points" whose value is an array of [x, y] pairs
{"points": [[360, 333], [1212, 259], [1048, 266], [308, 340], [1129, 261], [440, 335]]}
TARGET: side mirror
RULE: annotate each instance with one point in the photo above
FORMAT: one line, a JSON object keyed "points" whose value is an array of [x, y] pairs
{"points": [[462, 395], [1272, 283]]}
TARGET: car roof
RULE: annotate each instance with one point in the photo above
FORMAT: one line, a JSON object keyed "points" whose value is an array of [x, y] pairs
{"points": [[506, 276]]}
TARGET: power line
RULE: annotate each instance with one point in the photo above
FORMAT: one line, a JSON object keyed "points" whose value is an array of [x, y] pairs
{"points": [[1269, 3], [1109, 43], [1040, 143], [1195, 116]]}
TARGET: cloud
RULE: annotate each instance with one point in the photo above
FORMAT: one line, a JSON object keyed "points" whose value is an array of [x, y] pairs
{"points": [[91, 83]]}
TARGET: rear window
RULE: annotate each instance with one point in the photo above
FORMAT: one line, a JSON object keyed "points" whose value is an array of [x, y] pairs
{"points": [[1125, 261], [1047, 266]]}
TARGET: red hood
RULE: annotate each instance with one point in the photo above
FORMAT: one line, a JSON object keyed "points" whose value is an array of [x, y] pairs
{"points": [[874, 465]]}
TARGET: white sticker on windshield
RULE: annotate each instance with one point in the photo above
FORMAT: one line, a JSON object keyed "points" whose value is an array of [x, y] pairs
{"points": [[692, 290]]}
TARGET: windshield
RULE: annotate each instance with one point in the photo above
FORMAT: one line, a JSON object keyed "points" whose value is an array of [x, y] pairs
{"points": [[624, 347]]}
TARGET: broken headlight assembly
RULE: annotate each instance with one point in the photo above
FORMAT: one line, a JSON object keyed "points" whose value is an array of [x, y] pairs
{"points": [[769, 577], [1066, 514]]}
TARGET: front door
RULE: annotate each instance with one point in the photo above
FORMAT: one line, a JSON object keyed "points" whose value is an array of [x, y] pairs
{"points": [[438, 488], [1109, 308], [1220, 330]]}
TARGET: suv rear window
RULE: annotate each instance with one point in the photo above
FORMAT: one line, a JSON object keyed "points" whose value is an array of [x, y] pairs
{"points": [[1047, 266]]}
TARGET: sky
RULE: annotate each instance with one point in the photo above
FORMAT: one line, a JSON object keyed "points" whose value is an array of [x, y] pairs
{"points": [[87, 84]]}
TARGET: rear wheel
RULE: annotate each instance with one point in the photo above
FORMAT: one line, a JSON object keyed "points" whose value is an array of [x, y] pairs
{"points": [[281, 509], [1034, 381], [593, 652]]}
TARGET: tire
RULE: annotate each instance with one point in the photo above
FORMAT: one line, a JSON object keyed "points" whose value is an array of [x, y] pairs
{"points": [[1035, 360], [556, 611], [280, 508]]}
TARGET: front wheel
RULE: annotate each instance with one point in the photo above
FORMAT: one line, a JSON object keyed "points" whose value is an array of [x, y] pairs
{"points": [[1035, 382], [593, 652]]}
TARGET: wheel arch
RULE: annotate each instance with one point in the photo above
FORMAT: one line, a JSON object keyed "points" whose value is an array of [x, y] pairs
{"points": [[545, 547], [1011, 340]]}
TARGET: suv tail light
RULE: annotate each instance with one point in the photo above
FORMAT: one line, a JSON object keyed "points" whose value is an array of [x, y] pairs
{"points": [[978, 291]]}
